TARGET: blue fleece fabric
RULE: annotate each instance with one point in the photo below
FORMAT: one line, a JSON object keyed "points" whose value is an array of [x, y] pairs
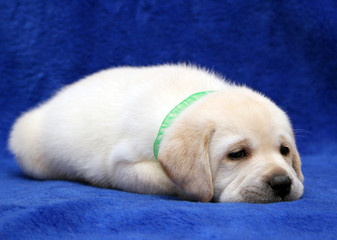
{"points": [[285, 49]]}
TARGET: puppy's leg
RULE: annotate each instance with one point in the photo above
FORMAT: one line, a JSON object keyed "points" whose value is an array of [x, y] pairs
{"points": [[145, 177]]}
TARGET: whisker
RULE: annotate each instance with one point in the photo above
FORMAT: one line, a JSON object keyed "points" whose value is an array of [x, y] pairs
{"points": [[301, 133]]}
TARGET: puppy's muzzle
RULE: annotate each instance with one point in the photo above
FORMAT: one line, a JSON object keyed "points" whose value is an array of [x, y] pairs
{"points": [[280, 184]]}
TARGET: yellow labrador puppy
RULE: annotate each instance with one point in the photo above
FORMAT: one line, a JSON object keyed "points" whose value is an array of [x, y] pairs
{"points": [[170, 129]]}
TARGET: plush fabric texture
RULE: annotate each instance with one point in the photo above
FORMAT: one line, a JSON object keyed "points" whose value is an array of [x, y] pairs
{"points": [[285, 49]]}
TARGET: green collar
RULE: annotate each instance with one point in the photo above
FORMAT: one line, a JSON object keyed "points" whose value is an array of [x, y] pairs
{"points": [[168, 120]]}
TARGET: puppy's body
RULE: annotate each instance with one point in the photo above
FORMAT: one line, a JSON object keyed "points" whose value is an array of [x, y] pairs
{"points": [[102, 129]]}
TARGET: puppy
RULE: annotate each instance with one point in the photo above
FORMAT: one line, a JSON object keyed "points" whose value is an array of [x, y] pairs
{"points": [[170, 130]]}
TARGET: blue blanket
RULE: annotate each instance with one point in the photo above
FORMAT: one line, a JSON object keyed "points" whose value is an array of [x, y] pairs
{"points": [[285, 49]]}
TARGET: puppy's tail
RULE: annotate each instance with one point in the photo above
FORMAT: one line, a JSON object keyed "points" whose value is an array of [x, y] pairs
{"points": [[25, 143]]}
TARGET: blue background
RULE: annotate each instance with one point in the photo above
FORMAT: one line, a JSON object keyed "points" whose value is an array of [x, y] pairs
{"points": [[285, 49]]}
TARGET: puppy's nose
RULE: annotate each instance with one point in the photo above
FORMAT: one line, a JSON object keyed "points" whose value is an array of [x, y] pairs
{"points": [[281, 185]]}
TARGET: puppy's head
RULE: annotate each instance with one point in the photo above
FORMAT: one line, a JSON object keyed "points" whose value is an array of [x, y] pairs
{"points": [[233, 146]]}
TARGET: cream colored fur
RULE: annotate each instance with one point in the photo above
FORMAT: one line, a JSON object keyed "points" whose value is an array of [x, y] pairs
{"points": [[101, 130]]}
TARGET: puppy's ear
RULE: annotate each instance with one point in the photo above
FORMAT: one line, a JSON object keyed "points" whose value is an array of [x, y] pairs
{"points": [[185, 159], [297, 165]]}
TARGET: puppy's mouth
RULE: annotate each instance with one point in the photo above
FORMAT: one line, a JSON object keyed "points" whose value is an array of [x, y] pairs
{"points": [[261, 195]]}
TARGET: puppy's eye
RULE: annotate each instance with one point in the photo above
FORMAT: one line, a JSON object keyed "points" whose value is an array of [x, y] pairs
{"points": [[237, 155], [284, 150]]}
